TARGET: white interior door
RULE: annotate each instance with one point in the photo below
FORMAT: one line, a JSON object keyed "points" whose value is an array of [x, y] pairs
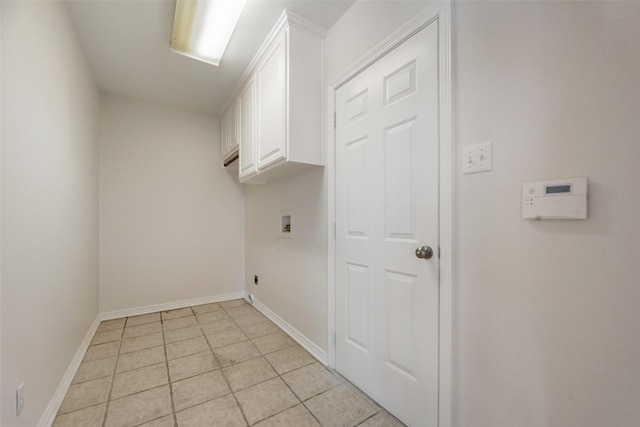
{"points": [[387, 130]]}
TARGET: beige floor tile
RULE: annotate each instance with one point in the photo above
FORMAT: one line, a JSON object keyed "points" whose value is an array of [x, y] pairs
{"points": [[298, 416], [223, 412], [196, 390], [95, 369], [100, 351], [240, 311], [310, 380], [233, 303], [144, 329], [265, 399], [87, 417], [180, 322], [223, 338], [289, 358], [245, 374], [251, 351], [166, 421], [186, 347], [340, 406], [218, 326], [139, 408], [255, 330], [248, 319], [273, 342], [139, 380], [107, 336], [212, 316], [205, 308], [236, 353], [190, 366], [382, 419], [140, 359], [88, 393], [179, 312], [140, 343], [109, 325], [143, 318], [176, 335]]}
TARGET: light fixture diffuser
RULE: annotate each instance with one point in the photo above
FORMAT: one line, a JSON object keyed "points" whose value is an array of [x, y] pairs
{"points": [[202, 28]]}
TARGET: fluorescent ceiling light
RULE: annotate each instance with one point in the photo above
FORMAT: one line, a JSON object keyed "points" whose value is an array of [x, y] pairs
{"points": [[202, 28]]}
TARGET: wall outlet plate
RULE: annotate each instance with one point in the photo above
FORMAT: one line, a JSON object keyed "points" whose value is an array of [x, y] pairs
{"points": [[476, 158]]}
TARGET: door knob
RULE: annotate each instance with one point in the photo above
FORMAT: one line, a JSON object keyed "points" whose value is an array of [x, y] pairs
{"points": [[424, 252]]}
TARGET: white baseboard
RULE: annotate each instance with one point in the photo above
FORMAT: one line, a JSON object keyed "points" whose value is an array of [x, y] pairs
{"points": [[134, 311], [54, 405], [307, 344]]}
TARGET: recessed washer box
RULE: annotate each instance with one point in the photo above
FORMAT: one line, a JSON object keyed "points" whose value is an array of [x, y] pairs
{"points": [[557, 199]]}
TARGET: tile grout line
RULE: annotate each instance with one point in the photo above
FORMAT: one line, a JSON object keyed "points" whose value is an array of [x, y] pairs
{"points": [[278, 375], [201, 334], [174, 415], [113, 376], [301, 402], [224, 376]]}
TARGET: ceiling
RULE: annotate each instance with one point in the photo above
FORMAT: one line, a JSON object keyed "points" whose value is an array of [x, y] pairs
{"points": [[126, 43]]}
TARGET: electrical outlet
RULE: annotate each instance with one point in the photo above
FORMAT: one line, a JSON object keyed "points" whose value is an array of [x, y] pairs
{"points": [[255, 279], [19, 399], [476, 158]]}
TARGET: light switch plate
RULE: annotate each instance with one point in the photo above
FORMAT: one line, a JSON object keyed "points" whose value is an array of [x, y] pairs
{"points": [[476, 158]]}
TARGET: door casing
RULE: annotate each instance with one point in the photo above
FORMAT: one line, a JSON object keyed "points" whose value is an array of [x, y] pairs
{"points": [[440, 11]]}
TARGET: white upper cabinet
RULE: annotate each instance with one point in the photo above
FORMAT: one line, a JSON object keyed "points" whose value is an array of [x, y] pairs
{"points": [[271, 76], [279, 110], [246, 103], [228, 134]]}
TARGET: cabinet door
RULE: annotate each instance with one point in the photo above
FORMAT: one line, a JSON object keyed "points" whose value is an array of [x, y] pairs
{"points": [[247, 129], [271, 75], [224, 135], [232, 129]]}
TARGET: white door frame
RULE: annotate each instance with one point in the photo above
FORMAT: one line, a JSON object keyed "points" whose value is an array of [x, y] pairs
{"points": [[441, 11]]}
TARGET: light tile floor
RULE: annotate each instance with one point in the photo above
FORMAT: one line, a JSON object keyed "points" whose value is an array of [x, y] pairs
{"points": [[221, 364]]}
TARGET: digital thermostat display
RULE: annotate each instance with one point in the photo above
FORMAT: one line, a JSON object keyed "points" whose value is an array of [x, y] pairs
{"points": [[557, 199], [555, 189]]}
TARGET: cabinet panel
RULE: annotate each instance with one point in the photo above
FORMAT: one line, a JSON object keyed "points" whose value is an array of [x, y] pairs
{"points": [[224, 135], [279, 106], [247, 129], [272, 105], [228, 134]]}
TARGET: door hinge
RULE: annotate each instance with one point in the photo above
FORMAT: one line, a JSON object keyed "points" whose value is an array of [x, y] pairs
{"points": [[334, 229], [438, 252], [334, 120], [334, 338]]}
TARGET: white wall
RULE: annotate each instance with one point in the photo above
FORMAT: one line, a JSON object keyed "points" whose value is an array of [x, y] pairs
{"points": [[49, 203], [546, 313], [171, 218], [292, 272]]}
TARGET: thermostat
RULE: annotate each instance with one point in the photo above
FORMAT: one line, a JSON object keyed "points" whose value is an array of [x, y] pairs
{"points": [[558, 199]]}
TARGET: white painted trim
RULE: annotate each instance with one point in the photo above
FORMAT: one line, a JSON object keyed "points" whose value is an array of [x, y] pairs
{"points": [[296, 335], [330, 165], [134, 311], [447, 169], [440, 10], [51, 411]]}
